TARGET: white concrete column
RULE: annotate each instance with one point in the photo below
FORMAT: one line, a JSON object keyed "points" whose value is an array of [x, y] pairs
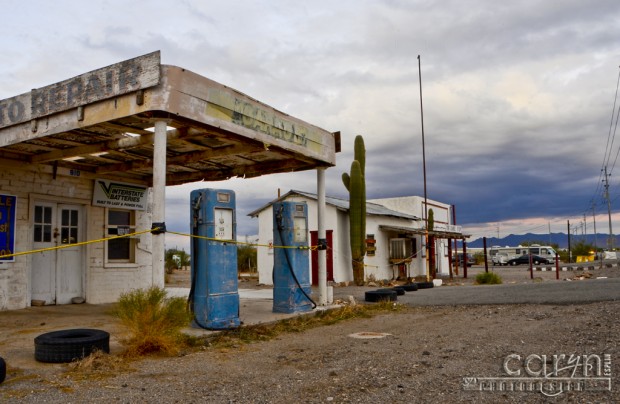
{"points": [[159, 201], [322, 253]]}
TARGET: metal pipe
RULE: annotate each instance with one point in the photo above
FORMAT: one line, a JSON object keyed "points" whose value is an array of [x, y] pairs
{"points": [[464, 255], [486, 263]]}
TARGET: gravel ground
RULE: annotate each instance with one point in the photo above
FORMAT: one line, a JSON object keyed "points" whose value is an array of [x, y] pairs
{"points": [[425, 357]]}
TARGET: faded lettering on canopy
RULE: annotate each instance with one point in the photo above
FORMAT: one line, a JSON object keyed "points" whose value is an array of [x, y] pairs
{"points": [[232, 107], [120, 78]]}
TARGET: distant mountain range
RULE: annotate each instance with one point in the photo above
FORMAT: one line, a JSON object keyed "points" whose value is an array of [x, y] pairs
{"points": [[561, 239]]}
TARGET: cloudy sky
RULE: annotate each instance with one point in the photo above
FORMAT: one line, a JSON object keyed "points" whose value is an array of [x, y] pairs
{"points": [[518, 96]]}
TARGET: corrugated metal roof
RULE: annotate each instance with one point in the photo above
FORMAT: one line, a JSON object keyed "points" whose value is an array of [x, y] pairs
{"points": [[339, 203], [436, 233]]}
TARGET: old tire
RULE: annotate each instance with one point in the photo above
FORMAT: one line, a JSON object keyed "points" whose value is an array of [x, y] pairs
{"points": [[2, 370], [410, 287], [425, 285], [381, 295], [69, 345], [399, 290]]}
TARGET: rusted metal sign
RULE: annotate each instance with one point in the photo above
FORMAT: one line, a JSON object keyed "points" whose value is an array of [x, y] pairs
{"points": [[120, 78]]}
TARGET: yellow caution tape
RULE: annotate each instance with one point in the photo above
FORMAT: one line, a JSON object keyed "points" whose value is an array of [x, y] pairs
{"points": [[60, 247], [312, 248]]}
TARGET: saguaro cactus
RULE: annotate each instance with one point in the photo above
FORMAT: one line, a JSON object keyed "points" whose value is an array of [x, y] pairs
{"points": [[356, 185]]}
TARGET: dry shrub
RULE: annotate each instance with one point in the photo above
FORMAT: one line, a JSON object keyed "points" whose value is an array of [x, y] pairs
{"points": [[154, 321], [488, 278]]}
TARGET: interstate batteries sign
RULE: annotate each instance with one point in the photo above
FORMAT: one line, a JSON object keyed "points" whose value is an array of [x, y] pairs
{"points": [[119, 195]]}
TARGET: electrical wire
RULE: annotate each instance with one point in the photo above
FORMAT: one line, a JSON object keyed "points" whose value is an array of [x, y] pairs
{"points": [[610, 141]]}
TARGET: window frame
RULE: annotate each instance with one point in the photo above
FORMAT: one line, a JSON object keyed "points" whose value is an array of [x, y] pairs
{"points": [[111, 230]]}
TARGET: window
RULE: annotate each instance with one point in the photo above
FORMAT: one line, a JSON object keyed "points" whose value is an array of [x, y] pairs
{"points": [[69, 226], [121, 222], [42, 224]]}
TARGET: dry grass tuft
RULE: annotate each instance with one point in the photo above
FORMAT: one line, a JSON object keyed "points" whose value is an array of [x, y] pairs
{"points": [[263, 332], [98, 364], [154, 321]]}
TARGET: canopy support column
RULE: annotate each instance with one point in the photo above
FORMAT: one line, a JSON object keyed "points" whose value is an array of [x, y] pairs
{"points": [[159, 202], [322, 248]]}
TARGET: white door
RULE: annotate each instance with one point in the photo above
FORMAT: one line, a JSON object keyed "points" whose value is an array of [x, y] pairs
{"points": [[57, 275], [43, 273]]}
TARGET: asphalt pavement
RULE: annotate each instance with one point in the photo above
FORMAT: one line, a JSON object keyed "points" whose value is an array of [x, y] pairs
{"points": [[593, 290]]}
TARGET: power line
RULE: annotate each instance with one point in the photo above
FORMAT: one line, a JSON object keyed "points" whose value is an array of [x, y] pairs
{"points": [[609, 147], [610, 140]]}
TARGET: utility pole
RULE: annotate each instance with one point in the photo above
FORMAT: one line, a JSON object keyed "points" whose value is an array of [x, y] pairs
{"points": [[585, 229], [594, 220], [610, 242], [424, 173], [568, 233]]}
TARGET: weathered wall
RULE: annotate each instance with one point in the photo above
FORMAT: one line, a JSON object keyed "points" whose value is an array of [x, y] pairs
{"points": [[102, 282]]}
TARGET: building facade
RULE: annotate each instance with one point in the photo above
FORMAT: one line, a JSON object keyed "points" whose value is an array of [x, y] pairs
{"points": [[57, 210], [394, 236]]}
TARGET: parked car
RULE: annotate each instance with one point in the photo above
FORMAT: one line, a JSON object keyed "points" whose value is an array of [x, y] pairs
{"points": [[470, 259], [525, 259], [500, 259]]}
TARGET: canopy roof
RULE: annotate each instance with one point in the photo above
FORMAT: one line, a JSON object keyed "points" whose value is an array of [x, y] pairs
{"points": [[100, 124]]}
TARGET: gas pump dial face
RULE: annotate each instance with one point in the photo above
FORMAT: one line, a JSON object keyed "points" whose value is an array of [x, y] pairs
{"points": [[300, 235], [223, 224]]}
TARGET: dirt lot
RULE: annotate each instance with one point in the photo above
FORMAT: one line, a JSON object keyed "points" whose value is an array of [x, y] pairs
{"points": [[428, 354]]}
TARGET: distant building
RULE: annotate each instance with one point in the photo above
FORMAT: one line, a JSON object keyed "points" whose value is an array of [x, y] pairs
{"points": [[394, 232]]}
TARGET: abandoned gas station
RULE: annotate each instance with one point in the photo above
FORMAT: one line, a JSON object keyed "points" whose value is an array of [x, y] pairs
{"points": [[90, 157]]}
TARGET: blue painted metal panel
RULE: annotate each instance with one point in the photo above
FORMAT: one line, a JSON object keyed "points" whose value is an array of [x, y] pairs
{"points": [[214, 297], [290, 223]]}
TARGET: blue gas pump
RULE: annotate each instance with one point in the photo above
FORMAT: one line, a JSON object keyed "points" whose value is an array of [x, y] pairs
{"points": [[214, 293], [291, 275]]}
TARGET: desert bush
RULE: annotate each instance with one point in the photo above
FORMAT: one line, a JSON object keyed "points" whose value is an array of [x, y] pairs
{"points": [[154, 320], [488, 278]]}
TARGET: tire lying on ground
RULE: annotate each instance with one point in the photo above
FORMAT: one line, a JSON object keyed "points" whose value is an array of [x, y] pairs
{"points": [[425, 285], [2, 370], [381, 295], [399, 290], [409, 287], [68, 345]]}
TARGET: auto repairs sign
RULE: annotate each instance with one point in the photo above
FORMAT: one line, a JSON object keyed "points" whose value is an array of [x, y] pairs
{"points": [[119, 195], [117, 79], [7, 226]]}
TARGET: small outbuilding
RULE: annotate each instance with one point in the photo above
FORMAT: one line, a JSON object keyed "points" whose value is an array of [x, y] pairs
{"points": [[84, 164], [395, 234]]}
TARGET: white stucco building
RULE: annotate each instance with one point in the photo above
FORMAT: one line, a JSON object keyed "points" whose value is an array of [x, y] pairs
{"points": [[394, 227]]}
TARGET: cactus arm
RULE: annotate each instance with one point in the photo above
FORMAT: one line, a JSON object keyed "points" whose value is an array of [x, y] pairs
{"points": [[346, 180]]}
